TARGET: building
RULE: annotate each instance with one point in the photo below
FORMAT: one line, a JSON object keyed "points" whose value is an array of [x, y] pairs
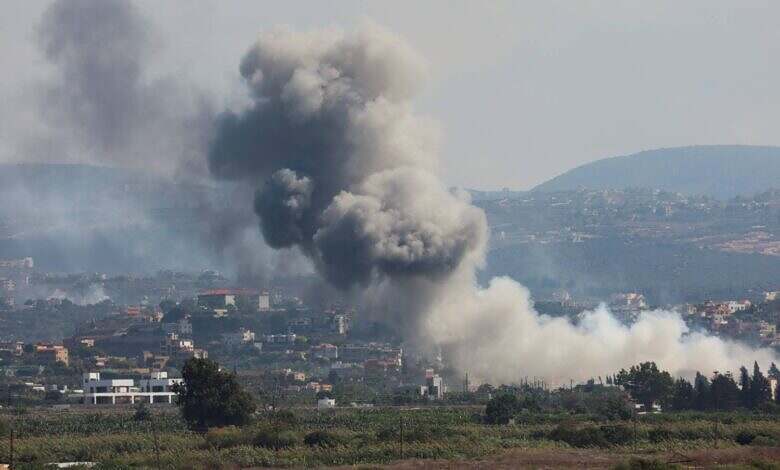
{"points": [[264, 303], [340, 324], [133, 311], [242, 336], [220, 299], [158, 388], [628, 301], [23, 263], [280, 339], [735, 306], [435, 386], [51, 353], [217, 299], [182, 327], [326, 403], [326, 350]]}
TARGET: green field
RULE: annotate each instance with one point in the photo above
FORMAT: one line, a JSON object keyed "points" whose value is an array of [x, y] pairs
{"points": [[305, 437]]}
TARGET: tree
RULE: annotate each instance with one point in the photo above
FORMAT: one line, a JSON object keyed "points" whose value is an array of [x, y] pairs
{"points": [[760, 389], [211, 397], [701, 392], [724, 393], [683, 395], [142, 412], [744, 385], [501, 409], [774, 372], [174, 315], [646, 383]]}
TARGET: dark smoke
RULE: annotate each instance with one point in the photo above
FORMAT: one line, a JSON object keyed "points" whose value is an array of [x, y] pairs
{"points": [[344, 161], [104, 105], [104, 101], [344, 171]]}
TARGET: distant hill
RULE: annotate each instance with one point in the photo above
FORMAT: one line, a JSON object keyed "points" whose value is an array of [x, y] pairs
{"points": [[720, 171]]}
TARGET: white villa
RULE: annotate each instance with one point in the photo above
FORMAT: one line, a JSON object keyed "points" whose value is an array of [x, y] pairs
{"points": [[156, 389]]}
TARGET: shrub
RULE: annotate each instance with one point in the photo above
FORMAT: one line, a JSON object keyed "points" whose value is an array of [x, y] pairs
{"points": [[324, 439], [744, 438], [644, 464], [657, 435], [222, 438], [142, 412], [285, 417], [274, 439], [764, 441], [501, 409], [617, 434], [585, 436]]}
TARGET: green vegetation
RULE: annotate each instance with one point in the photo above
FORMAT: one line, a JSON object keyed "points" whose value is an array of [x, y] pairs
{"points": [[211, 397], [369, 436]]}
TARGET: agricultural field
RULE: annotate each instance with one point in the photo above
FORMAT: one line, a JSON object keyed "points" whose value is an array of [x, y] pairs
{"points": [[399, 438]]}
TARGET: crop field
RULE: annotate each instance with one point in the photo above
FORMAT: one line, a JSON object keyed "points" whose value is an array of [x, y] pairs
{"points": [[400, 438]]}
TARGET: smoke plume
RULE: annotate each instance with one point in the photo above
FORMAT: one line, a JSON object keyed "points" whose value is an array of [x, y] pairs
{"points": [[104, 102], [345, 170]]}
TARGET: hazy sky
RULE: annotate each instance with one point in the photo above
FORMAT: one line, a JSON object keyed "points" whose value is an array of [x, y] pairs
{"points": [[524, 90]]}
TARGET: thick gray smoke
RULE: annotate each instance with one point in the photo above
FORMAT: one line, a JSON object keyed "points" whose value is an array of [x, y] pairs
{"points": [[345, 162], [104, 104], [345, 171]]}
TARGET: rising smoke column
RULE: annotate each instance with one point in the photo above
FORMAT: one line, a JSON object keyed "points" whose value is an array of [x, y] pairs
{"points": [[343, 163], [345, 171], [103, 103]]}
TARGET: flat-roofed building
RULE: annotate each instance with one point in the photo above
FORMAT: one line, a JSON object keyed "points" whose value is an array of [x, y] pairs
{"points": [[158, 388]]}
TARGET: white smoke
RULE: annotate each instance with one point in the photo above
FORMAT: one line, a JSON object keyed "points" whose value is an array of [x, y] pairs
{"points": [[345, 170], [94, 294]]}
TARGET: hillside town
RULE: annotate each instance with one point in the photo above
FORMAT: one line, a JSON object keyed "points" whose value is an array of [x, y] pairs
{"points": [[80, 346]]}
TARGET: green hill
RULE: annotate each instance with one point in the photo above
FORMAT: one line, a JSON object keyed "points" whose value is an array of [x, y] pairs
{"points": [[720, 171]]}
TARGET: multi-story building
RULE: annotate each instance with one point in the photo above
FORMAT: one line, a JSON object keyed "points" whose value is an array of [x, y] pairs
{"points": [[51, 353], [158, 388], [264, 303]]}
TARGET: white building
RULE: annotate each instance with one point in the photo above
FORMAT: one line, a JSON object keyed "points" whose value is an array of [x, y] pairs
{"points": [[326, 403], [182, 328], [264, 303], [735, 306], [279, 339], [156, 389]]}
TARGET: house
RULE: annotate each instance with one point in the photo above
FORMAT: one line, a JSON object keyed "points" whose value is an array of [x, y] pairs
{"points": [[242, 336], [158, 388], [326, 350], [51, 353], [326, 403]]}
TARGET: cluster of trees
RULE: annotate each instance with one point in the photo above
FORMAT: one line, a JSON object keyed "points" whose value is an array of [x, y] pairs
{"points": [[210, 396], [648, 385], [597, 400]]}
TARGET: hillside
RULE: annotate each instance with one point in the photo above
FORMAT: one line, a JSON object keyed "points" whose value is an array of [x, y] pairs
{"points": [[720, 171]]}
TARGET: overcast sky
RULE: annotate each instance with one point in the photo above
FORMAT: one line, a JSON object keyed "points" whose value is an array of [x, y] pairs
{"points": [[524, 90]]}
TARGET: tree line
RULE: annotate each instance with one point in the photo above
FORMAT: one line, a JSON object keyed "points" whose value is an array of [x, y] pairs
{"points": [[649, 385]]}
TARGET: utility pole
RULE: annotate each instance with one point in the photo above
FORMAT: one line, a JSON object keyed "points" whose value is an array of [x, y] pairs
{"points": [[156, 440], [401, 433], [11, 449]]}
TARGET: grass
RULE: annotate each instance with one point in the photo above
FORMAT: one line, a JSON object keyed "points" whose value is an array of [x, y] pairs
{"points": [[354, 437]]}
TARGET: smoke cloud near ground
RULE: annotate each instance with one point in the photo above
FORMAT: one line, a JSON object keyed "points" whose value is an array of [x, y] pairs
{"points": [[345, 171]]}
